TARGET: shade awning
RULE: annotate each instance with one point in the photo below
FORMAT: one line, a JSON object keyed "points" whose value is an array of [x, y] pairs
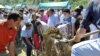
{"points": [[20, 5], [54, 5]]}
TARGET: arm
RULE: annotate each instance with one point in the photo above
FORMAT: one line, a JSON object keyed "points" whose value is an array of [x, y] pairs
{"points": [[80, 32], [28, 41], [12, 48], [25, 37]]}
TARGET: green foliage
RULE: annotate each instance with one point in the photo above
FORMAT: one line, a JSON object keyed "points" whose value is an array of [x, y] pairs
{"points": [[75, 3]]}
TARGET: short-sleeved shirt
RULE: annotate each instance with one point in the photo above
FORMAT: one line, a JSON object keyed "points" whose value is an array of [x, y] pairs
{"points": [[6, 35], [92, 15], [86, 48], [26, 33]]}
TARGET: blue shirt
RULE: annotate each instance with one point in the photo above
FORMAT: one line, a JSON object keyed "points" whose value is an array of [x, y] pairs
{"points": [[27, 33], [87, 48], [53, 20]]}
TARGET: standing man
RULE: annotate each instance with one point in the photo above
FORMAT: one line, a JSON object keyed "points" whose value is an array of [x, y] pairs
{"points": [[91, 47], [67, 19], [8, 33], [53, 18]]}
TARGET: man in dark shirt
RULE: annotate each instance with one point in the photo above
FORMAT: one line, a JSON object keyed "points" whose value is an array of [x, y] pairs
{"points": [[91, 47], [92, 16]]}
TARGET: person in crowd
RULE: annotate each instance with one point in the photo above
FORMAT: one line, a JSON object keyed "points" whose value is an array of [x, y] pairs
{"points": [[8, 30], [27, 38], [43, 16], [53, 19], [68, 23], [1, 14], [91, 28], [66, 17], [34, 19], [26, 16], [78, 16], [38, 39], [91, 47], [30, 13]]}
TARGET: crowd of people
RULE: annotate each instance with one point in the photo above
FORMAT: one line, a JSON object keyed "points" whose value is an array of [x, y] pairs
{"points": [[27, 26]]}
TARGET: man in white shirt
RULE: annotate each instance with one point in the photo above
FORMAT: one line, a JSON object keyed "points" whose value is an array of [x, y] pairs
{"points": [[26, 17], [26, 35]]}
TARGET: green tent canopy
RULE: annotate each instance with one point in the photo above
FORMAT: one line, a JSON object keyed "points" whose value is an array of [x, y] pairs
{"points": [[55, 5], [20, 5], [8, 7]]}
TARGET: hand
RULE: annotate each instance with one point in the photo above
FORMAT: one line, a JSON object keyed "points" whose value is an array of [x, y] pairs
{"points": [[80, 32], [77, 38]]}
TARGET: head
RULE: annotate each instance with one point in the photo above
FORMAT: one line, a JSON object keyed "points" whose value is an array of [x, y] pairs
{"points": [[50, 12], [28, 25], [35, 16], [66, 12], [21, 11], [41, 12], [81, 7], [30, 10], [38, 24], [13, 20], [77, 12]]}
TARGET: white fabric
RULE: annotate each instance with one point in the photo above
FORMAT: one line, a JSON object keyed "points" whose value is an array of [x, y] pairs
{"points": [[86, 48], [44, 25], [93, 28], [1, 16], [63, 29], [26, 32], [26, 18]]}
